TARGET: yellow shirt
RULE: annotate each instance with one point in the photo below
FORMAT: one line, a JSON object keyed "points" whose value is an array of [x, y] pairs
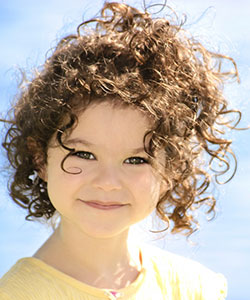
{"points": [[164, 276]]}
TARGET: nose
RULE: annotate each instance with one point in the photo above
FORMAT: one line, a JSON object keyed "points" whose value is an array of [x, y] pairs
{"points": [[107, 178]]}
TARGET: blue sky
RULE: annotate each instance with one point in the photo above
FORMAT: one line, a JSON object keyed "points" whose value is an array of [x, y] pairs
{"points": [[28, 29]]}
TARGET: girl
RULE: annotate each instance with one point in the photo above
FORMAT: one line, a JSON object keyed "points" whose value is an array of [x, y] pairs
{"points": [[124, 118]]}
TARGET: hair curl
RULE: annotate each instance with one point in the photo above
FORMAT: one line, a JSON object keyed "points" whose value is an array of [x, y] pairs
{"points": [[131, 58]]}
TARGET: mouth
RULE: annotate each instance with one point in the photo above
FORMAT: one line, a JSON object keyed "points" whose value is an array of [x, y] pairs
{"points": [[102, 205]]}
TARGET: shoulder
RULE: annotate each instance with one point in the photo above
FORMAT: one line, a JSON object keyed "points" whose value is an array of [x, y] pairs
{"points": [[183, 275], [27, 279], [17, 280], [4, 296]]}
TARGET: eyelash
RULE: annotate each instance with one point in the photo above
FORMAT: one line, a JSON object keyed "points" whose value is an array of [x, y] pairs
{"points": [[135, 160], [140, 159], [82, 154]]}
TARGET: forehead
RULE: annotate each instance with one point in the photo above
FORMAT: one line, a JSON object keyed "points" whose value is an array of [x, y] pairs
{"points": [[104, 123]]}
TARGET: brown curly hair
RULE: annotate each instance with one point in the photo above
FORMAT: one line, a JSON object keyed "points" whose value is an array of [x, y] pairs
{"points": [[131, 58]]}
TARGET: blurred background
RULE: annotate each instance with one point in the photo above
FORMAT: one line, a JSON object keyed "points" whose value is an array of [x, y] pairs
{"points": [[28, 29]]}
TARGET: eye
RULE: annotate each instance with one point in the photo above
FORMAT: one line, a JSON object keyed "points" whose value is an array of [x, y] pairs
{"points": [[136, 160], [84, 155]]}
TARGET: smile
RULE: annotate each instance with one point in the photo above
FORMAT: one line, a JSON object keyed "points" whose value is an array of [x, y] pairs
{"points": [[103, 206]]}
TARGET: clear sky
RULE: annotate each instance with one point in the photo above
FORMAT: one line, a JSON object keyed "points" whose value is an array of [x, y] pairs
{"points": [[29, 28]]}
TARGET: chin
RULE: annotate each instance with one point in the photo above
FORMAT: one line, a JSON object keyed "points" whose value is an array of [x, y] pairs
{"points": [[105, 232]]}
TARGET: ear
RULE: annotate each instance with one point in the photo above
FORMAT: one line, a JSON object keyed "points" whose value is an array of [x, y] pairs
{"points": [[164, 187], [38, 157], [42, 172]]}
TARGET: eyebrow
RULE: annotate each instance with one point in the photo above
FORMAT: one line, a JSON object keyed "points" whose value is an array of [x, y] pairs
{"points": [[89, 144]]}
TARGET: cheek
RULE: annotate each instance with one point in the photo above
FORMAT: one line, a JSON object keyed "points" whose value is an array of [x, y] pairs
{"points": [[146, 186]]}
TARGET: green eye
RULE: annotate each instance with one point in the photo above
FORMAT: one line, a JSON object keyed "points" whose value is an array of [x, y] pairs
{"points": [[136, 160], [84, 155]]}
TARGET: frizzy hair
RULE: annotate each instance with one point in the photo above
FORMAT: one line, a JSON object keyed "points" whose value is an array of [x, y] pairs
{"points": [[132, 59]]}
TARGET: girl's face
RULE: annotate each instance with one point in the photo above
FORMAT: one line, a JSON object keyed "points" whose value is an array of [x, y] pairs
{"points": [[116, 186]]}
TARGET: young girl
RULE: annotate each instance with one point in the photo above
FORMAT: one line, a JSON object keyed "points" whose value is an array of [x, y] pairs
{"points": [[125, 118]]}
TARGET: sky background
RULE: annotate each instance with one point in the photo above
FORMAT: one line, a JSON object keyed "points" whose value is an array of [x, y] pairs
{"points": [[29, 28]]}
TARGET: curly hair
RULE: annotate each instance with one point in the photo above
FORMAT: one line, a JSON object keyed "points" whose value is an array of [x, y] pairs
{"points": [[153, 64]]}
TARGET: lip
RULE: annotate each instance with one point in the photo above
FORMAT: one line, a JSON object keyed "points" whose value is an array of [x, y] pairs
{"points": [[102, 205]]}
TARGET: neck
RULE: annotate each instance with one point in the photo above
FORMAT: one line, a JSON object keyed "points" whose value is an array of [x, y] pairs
{"points": [[100, 262]]}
